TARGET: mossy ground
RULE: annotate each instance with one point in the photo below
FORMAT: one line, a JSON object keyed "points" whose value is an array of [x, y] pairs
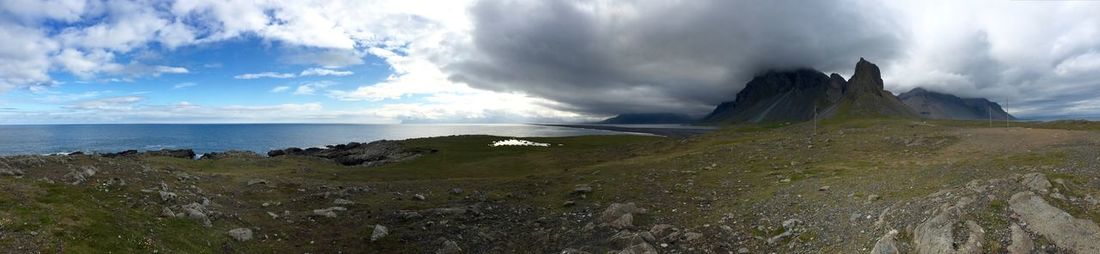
{"points": [[747, 177]]}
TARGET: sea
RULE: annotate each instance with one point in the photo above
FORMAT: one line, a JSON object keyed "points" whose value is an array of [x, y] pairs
{"points": [[260, 138]]}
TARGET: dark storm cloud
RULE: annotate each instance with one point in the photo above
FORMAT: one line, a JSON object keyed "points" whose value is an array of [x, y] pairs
{"points": [[662, 56]]}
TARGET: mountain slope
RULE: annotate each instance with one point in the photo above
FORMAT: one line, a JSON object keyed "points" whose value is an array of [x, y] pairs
{"points": [[649, 118], [946, 106], [794, 96]]}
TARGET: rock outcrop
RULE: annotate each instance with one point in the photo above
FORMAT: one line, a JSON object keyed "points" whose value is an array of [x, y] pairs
{"points": [[793, 96], [175, 153], [936, 105], [1077, 235], [369, 154]]}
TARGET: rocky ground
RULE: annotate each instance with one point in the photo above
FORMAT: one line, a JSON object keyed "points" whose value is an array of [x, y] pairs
{"points": [[855, 186]]}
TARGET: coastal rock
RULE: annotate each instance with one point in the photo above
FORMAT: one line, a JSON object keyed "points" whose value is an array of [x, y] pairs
{"points": [[234, 154], [351, 154], [241, 234], [175, 153], [1078, 235]]}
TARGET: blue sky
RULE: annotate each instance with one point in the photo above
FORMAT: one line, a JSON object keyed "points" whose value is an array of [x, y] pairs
{"points": [[394, 61], [197, 61]]}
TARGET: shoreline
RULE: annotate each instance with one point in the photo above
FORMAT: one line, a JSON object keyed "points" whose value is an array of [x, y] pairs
{"points": [[659, 131]]}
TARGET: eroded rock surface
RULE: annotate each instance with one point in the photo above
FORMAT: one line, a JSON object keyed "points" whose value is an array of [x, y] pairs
{"points": [[1078, 235]]}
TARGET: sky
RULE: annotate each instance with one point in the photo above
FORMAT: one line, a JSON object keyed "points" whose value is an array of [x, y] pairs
{"points": [[502, 61]]}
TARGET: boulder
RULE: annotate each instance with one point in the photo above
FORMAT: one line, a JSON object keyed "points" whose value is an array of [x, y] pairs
{"points": [[936, 234], [175, 153], [1021, 241], [197, 211], [1077, 235], [1036, 182], [886, 244], [241, 234], [615, 213]]}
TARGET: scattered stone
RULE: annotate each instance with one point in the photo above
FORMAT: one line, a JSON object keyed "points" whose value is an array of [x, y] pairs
{"points": [[1077, 235], [641, 248], [743, 250], [569, 203], [379, 232], [1036, 182], [886, 244], [449, 247], [823, 188], [166, 212], [620, 216], [1021, 241], [328, 212], [165, 196], [257, 181], [10, 172], [691, 236], [197, 211], [241, 234], [341, 201], [419, 197], [456, 191], [873, 198], [573, 251], [582, 189], [273, 215]]}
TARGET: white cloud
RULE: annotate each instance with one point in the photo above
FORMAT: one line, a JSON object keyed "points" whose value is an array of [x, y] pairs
{"points": [[304, 73], [311, 87], [279, 89], [110, 103], [264, 75], [184, 85], [323, 72]]}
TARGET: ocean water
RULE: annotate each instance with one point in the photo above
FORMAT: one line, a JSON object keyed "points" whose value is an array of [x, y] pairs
{"points": [[203, 138]]}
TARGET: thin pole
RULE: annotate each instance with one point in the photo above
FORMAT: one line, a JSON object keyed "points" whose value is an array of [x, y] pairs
{"points": [[990, 110]]}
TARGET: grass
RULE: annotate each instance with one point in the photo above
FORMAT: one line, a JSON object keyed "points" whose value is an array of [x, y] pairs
{"points": [[734, 170]]}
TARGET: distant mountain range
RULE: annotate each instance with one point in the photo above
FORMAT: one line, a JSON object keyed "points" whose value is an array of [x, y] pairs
{"points": [[945, 106], [799, 95], [650, 118], [795, 96]]}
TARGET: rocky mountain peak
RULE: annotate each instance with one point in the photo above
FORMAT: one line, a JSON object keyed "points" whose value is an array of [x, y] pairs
{"points": [[866, 79]]}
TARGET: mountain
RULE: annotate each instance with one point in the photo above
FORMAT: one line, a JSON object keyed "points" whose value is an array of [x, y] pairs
{"points": [[649, 118], [946, 106], [793, 96]]}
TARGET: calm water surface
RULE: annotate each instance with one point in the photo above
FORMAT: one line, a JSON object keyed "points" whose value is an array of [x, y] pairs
{"points": [[47, 139]]}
